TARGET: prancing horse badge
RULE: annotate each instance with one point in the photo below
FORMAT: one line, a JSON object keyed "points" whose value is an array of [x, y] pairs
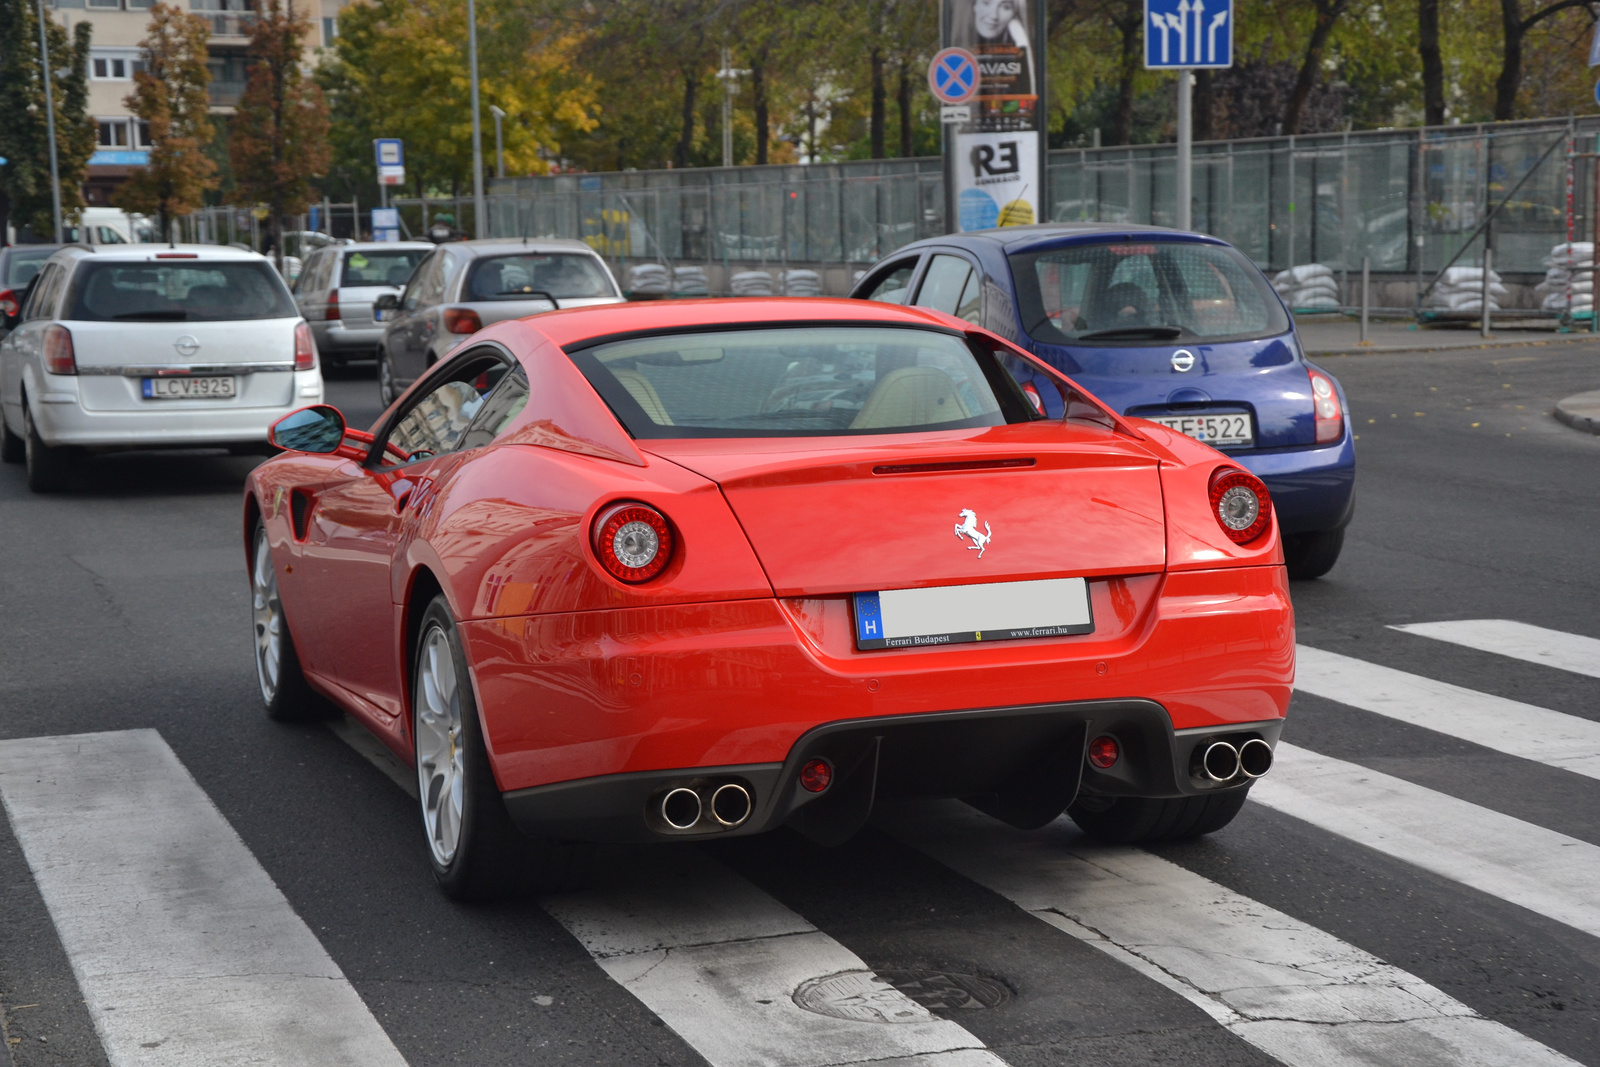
{"points": [[968, 529]]}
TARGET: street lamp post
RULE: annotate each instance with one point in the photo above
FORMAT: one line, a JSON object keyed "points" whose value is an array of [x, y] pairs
{"points": [[50, 125], [499, 143], [477, 121]]}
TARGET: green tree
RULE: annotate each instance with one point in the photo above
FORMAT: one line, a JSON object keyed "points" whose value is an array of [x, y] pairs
{"points": [[170, 96], [25, 198], [278, 140]]}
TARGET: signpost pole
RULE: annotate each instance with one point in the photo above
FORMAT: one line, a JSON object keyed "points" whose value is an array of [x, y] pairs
{"points": [[1041, 50], [1185, 196], [478, 228], [50, 124]]}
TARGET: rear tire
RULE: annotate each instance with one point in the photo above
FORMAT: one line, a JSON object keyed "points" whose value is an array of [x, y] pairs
{"points": [[387, 390], [476, 851], [1312, 555], [12, 447], [47, 466], [284, 690], [1141, 820]]}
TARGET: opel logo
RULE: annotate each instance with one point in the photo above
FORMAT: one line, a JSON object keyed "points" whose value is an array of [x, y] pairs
{"points": [[1182, 360], [188, 346]]}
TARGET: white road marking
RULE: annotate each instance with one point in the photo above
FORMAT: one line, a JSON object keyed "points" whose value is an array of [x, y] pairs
{"points": [[1534, 733], [1552, 648], [184, 949], [1545, 872], [719, 961], [1296, 992]]}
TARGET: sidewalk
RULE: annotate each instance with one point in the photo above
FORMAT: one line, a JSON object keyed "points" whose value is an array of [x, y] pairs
{"points": [[1581, 412], [1329, 335]]}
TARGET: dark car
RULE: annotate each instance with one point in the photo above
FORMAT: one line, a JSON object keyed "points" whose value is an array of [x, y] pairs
{"points": [[19, 264], [1160, 324]]}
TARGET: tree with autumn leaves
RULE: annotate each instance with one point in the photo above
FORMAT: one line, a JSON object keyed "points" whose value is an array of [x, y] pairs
{"points": [[278, 139], [25, 198]]}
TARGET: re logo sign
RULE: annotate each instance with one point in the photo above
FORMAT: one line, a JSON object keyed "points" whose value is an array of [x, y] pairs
{"points": [[1188, 34]]}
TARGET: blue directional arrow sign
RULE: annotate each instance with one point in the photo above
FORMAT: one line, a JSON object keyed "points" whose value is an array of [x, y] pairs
{"points": [[1188, 33], [953, 76]]}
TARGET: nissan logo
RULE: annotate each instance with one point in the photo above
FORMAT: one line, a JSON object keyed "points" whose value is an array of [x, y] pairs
{"points": [[1182, 360], [188, 346]]}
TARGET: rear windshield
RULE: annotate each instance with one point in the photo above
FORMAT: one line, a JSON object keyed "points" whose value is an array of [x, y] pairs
{"points": [[801, 382], [22, 265], [380, 268], [529, 275], [1139, 293], [179, 292]]}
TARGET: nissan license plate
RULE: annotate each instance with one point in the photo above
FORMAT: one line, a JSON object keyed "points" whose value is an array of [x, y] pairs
{"points": [[1229, 429], [189, 388], [962, 614]]}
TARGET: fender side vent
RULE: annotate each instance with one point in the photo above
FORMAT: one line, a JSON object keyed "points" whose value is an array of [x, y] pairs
{"points": [[300, 513]]}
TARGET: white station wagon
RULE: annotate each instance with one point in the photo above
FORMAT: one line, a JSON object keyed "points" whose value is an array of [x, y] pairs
{"points": [[150, 347]]}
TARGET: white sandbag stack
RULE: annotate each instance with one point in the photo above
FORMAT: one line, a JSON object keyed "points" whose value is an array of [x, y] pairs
{"points": [[801, 283], [1310, 285], [647, 279], [690, 281], [750, 283], [1461, 289], [1559, 274]]}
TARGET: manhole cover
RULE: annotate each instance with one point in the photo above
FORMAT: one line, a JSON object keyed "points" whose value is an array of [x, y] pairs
{"points": [[898, 996], [860, 996], [947, 991]]}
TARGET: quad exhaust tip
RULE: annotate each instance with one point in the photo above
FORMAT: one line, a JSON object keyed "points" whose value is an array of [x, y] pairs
{"points": [[1255, 758], [1220, 762], [680, 808], [730, 804]]}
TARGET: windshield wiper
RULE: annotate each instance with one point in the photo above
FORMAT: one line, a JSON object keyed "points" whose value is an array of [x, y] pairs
{"points": [[540, 293], [1149, 333], [152, 316]]}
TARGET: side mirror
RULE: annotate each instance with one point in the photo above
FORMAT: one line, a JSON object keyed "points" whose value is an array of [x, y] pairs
{"points": [[318, 429], [387, 302]]}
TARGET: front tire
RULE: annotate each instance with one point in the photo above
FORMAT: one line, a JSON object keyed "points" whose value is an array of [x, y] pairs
{"points": [[284, 690], [1312, 555], [1141, 820], [47, 466], [388, 392], [476, 851]]}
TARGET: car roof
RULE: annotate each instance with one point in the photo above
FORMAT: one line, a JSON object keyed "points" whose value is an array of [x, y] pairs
{"points": [[377, 246], [1021, 238], [492, 245], [148, 253], [575, 325]]}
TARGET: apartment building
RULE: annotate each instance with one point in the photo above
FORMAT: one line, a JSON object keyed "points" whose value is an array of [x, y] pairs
{"points": [[119, 26]]}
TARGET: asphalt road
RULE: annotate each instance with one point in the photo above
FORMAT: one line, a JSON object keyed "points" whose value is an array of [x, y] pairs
{"points": [[123, 605]]}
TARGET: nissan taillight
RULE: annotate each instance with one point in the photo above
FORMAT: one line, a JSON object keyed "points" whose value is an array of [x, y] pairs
{"points": [[462, 320], [305, 347], [1240, 503], [10, 303], [633, 541], [1325, 398], [59, 357], [331, 312]]}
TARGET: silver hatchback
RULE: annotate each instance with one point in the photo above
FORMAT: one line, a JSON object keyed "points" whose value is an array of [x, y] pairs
{"points": [[467, 285], [337, 286]]}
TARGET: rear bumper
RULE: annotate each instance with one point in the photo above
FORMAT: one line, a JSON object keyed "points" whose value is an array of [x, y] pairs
{"points": [[616, 693], [61, 419], [1023, 764], [335, 338], [1313, 489]]}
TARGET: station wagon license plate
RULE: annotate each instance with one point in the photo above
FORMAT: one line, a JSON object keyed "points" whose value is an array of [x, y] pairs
{"points": [[1229, 429], [962, 614], [190, 388]]}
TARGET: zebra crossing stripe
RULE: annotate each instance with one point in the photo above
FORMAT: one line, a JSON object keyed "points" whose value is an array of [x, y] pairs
{"points": [[1550, 648], [1534, 733], [1545, 872], [185, 951], [722, 963], [1291, 990]]}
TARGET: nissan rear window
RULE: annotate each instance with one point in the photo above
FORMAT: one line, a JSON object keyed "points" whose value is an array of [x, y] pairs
{"points": [[535, 275], [23, 264], [1144, 292], [380, 268], [179, 291], [802, 381]]}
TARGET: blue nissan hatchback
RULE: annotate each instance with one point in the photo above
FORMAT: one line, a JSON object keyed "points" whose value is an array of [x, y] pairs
{"points": [[1160, 324]]}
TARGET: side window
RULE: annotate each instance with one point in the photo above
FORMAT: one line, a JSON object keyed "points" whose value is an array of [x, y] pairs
{"points": [[450, 270], [45, 290], [951, 286], [424, 287], [437, 422], [499, 409], [893, 287], [306, 283]]}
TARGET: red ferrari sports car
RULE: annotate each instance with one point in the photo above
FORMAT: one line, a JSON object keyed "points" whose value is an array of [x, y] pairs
{"points": [[689, 569]]}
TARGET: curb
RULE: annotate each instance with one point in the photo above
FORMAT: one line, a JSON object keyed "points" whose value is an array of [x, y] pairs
{"points": [[1378, 350], [1581, 411]]}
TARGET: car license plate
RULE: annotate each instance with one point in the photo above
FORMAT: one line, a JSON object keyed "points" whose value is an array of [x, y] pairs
{"points": [[961, 614], [189, 388], [1229, 429]]}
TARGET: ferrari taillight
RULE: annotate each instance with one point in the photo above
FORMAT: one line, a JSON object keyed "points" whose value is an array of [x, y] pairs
{"points": [[1241, 504], [305, 348], [462, 320], [59, 358], [632, 541], [1325, 398], [330, 312]]}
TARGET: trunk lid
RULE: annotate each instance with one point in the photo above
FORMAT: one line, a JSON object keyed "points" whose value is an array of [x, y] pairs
{"points": [[859, 514], [355, 304], [111, 354]]}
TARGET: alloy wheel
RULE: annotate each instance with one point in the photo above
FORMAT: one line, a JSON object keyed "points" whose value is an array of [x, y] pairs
{"points": [[268, 611], [441, 746], [386, 392]]}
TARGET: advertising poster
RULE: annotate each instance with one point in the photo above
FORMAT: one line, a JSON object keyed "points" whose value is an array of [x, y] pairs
{"points": [[996, 165]]}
